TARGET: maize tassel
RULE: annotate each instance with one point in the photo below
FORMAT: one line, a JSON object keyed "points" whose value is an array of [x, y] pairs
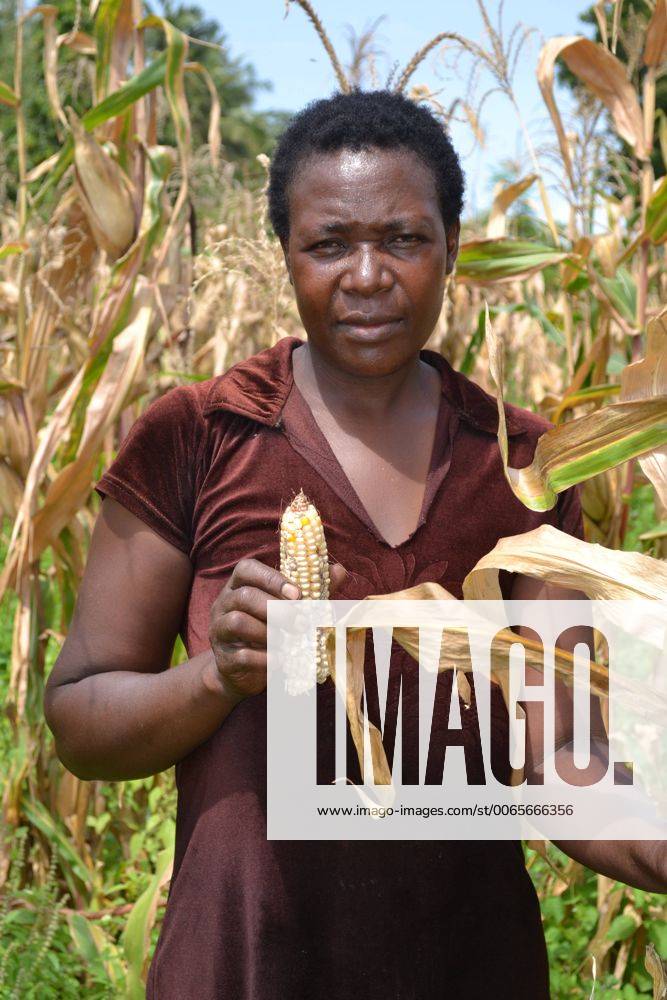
{"points": [[304, 561]]}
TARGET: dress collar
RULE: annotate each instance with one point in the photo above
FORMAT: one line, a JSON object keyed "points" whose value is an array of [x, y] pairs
{"points": [[258, 389]]}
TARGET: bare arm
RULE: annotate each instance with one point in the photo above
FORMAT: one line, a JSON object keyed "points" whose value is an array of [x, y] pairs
{"points": [[639, 863], [114, 707]]}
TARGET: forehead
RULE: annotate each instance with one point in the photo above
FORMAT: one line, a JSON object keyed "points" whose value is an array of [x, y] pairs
{"points": [[366, 186]]}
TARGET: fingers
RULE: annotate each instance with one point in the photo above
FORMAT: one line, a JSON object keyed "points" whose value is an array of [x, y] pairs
{"points": [[239, 614], [239, 627], [252, 573]]}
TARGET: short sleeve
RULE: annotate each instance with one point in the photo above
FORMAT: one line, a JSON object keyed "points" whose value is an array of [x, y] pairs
{"points": [[153, 474], [570, 517]]}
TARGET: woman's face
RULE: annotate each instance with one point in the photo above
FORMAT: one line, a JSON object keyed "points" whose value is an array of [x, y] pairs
{"points": [[368, 254]]}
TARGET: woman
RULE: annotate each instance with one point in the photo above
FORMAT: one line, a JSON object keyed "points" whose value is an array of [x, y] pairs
{"points": [[399, 454]]}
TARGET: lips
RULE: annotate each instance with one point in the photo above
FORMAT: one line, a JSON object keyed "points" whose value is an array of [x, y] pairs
{"points": [[368, 320]]}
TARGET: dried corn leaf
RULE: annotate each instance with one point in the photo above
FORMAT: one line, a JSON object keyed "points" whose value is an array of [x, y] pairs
{"points": [[655, 51], [214, 116], [67, 493], [647, 379], [11, 491], [20, 549], [79, 42], [174, 85], [554, 556], [17, 438], [657, 970], [573, 452], [503, 197], [53, 292], [605, 76], [454, 655]]}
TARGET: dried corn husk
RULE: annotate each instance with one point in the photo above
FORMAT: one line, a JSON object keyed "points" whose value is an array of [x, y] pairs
{"points": [[657, 970], [104, 191], [545, 553]]}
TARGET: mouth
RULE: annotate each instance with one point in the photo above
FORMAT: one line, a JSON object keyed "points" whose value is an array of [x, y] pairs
{"points": [[369, 327]]}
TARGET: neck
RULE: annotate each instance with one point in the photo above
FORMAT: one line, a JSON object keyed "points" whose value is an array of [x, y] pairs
{"points": [[363, 398]]}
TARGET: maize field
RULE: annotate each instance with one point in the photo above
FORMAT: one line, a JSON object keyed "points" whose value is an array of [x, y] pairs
{"points": [[134, 259]]}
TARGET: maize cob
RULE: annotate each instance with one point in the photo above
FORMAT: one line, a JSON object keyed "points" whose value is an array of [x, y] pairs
{"points": [[304, 561], [105, 192]]}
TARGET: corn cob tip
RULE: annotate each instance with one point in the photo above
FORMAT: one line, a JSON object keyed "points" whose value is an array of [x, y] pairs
{"points": [[304, 558]]}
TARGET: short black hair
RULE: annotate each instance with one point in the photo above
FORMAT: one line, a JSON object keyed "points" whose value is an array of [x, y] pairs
{"points": [[363, 120]]}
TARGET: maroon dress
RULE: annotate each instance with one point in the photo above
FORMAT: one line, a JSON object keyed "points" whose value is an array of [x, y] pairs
{"points": [[210, 467]]}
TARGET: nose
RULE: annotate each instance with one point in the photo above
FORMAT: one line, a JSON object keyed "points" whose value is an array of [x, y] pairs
{"points": [[366, 272]]}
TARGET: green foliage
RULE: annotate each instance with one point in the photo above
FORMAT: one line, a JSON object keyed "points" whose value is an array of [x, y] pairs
{"points": [[570, 922], [43, 136], [35, 956], [642, 517], [245, 131], [48, 949]]}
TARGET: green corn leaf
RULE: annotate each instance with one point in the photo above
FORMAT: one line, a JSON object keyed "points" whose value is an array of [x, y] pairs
{"points": [[174, 85], [136, 936], [621, 291], [72, 863], [127, 95], [7, 95], [105, 22], [177, 47], [656, 214], [474, 346], [97, 949], [483, 262], [8, 249], [115, 104]]}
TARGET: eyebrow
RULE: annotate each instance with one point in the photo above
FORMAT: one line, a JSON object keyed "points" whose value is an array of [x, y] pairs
{"points": [[391, 226]]}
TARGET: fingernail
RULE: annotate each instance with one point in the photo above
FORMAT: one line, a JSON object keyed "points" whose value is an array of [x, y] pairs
{"points": [[289, 591]]}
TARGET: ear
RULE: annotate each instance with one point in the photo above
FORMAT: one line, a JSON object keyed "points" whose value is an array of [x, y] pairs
{"points": [[452, 237]]}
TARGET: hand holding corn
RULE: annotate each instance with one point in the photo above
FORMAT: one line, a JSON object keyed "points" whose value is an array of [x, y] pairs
{"points": [[237, 624]]}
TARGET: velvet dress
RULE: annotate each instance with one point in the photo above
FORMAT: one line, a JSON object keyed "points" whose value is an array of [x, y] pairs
{"points": [[210, 467]]}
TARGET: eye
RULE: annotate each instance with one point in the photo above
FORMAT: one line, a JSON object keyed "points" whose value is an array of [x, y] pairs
{"points": [[327, 246], [407, 239]]}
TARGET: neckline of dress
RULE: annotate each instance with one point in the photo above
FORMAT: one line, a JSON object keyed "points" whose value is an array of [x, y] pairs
{"points": [[436, 471]]}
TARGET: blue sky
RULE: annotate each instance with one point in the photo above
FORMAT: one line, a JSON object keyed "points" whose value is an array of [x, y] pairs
{"points": [[287, 52]]}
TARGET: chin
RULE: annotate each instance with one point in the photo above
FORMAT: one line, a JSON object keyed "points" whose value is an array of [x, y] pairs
{"points": [[358, 354]]}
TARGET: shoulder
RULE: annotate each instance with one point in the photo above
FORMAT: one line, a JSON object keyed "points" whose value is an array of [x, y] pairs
{"points": [[179, 410], [181, 401]]}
